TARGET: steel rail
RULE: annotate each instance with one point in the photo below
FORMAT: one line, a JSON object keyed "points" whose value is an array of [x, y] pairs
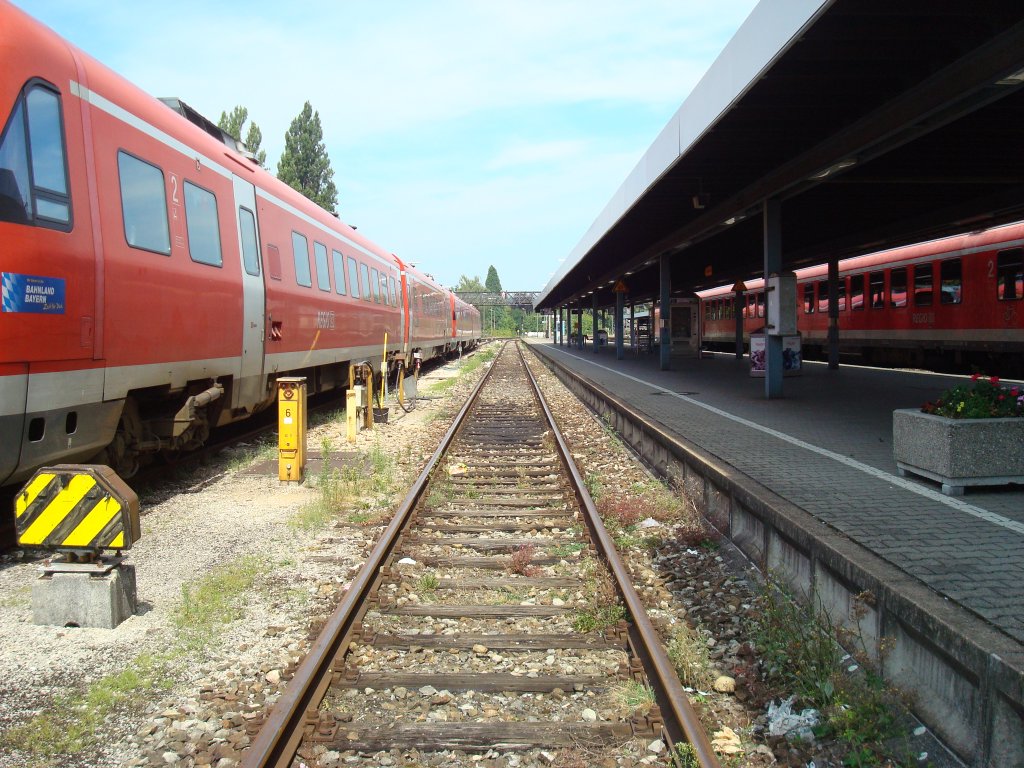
{"points": [[281, 734], [647, 642]]}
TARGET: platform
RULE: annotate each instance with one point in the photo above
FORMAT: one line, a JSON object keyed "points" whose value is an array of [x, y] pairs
{"points": [[826, 446], [807, 487]]}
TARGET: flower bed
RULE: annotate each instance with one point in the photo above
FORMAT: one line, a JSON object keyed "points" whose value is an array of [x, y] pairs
{"points": [[972, 435]]}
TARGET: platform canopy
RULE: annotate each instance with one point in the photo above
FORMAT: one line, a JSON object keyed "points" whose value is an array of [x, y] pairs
{"points": [[875, 123]]}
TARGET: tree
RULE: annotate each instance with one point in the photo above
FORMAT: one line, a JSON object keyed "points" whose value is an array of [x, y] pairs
{"points": [[232, 123], [304, 164], [492, 282], [469, 284]]}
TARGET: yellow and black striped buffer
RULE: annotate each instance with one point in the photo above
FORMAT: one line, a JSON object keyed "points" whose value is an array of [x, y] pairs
{"points": [[77, 507]]}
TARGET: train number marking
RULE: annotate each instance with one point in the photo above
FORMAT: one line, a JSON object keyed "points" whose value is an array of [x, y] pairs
{"points": [[174, 190], [325, 320]]}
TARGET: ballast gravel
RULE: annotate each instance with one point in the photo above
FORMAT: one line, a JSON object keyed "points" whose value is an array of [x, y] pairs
{"points": [[214, 518], [205, 698]]}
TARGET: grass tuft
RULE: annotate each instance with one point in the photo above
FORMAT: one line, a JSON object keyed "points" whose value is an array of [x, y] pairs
{"points": [[690, 656], [72, 722], [216, 599]]}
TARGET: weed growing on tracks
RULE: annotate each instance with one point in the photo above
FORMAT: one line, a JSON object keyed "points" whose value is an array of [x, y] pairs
{"points": [[603, 606], [568, 550], [428, 582], [593, 484], [519, 561], [686, 756], [690, 656], [634, 697]]}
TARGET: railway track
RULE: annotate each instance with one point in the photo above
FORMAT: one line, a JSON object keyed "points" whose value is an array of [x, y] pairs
{"points": [[492, 616]]}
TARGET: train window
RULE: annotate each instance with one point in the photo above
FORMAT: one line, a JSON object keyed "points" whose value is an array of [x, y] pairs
{"points": [[823, 296], [923, 285], [250, 248], [841, 294], [273, 262], [33, 167], [760, 305], [365, 274], [46, 142], [202, 226], [1010, 275], [339, 272], [857, 292], [394, 291], [353, 278], [898, 287], [808, 298], [15, 203], [876, 283], [749, 310], [950, 282], [300, 252], [143, 204], [323, 277], [375, 284]]}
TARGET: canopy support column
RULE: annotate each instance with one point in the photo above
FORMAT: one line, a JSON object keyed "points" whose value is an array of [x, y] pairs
{"points": [[772, 266], [620, 301], [664, 332], [833, 313]]}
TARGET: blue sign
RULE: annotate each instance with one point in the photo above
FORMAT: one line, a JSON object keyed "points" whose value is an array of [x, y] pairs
{"points": [[31, 293]]}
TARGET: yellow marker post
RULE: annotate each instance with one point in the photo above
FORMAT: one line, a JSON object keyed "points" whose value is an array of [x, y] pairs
{"points": [[351, 425], [291, 428]]}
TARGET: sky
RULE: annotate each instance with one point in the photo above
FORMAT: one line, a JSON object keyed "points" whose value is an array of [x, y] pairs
{"points": [[462, 133]]}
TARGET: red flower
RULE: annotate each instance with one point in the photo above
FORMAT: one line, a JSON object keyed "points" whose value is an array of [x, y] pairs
{"points": [[994, 381], [1001, 397], [975, 377], [1014, 391]]}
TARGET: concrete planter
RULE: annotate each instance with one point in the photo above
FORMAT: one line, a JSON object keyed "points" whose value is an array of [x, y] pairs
{"points": [[958, 452]]}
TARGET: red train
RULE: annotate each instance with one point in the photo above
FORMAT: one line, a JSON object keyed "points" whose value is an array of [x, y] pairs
{"points": [[156, 281], [950, 304]]}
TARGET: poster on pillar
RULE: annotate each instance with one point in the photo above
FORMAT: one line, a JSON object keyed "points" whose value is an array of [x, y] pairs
{"points": [[792, 352]]}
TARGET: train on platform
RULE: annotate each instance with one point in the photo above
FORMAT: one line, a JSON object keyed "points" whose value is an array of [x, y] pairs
{"points": [[955, 304], [157, 281]]}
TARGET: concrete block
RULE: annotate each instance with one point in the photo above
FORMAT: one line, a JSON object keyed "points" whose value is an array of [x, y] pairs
{"points": [[786, 561], [959, 452], [748, 534], [846, 611], [946, 694], [84, 600]]}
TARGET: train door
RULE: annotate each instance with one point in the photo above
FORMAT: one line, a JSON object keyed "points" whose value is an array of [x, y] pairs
{"points": [[250, 389]]}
